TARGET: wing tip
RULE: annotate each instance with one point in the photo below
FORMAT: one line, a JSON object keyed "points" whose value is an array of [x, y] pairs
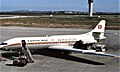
{"points": [[117, 56]]}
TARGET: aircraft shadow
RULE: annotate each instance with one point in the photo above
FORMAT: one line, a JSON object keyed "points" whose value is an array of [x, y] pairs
{"points": [[55, 54], [58, 54]]}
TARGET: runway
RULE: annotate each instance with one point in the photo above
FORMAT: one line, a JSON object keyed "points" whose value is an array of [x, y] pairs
{"points": [[51, 61], [15, 16]]}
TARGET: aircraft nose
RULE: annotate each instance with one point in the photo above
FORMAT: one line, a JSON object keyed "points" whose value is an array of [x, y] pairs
{"points": [[1, 46]]}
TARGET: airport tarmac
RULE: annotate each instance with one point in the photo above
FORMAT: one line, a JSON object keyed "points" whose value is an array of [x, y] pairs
{"points": [[52, 61]]}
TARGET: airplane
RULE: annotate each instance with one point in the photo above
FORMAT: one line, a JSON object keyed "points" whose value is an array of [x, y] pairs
{"points": [[87, 43]]}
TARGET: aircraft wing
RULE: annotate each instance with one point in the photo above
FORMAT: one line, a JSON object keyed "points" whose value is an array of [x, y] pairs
{"points": [[92, 52]]}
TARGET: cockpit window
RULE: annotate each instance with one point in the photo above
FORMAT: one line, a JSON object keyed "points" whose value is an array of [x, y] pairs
{"points": [[3, 44]]}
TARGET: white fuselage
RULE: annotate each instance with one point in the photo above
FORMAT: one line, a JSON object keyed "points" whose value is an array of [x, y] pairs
{"points": [[82, 43], [45, 42]]}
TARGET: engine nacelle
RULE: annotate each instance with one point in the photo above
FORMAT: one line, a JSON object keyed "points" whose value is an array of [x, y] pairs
{"points": [[79, 45]]}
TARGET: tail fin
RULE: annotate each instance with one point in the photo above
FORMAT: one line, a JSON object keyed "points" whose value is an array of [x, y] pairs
{"points": [[100, 27], [98, 31]]}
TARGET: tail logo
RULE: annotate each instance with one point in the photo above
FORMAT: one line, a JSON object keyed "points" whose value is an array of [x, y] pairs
{"points": [[99, 26]]}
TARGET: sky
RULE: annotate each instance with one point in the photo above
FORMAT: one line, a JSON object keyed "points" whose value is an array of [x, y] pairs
{"points": [[59, 5]]}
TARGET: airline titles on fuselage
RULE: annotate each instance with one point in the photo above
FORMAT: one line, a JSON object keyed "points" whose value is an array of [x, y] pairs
{"points": [[52, 40]]}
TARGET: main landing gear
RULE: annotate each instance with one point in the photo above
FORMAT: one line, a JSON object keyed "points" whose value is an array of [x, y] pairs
{"points": [[98, 47], [25, 56]]}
